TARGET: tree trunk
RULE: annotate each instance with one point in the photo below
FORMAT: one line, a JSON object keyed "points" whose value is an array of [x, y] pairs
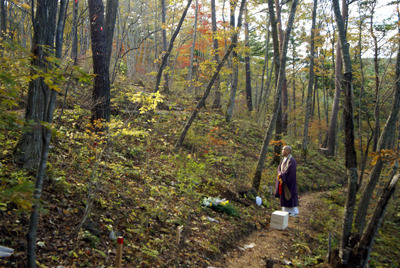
{"points": [[310, 82], [284, 107], [111, 17], [165, 44], [101, 92], [247, 63], [217, 97], [272, 122], [235, 68], [30, 146], [277, 53], [331, 142], [361, 252], [350, 154], [281, 122], [170, 47], [3, 19], [363, 163], [202, 101], [74, 47], [190, 74], [388, 131], [377, 128], [34, 218], [264, 70]]}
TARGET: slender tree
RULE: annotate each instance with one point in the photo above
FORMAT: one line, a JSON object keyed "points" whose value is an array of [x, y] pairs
{"points": [[74, 46], [377, 128], [383, 143], [170, 47], [217, 97], [264, 69], [331, 140], [3, 18], [202, 101], [350, 154], [247, 62], [235, 68], [282, 122], [110, 19], [278, 96], [190, 74], [165, 43], [310, 80], [46, 12]]}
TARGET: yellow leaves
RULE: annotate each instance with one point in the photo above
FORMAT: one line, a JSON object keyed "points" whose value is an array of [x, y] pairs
{"points": [[149, 102], [384, 155], [374, 160], [21, 4]]}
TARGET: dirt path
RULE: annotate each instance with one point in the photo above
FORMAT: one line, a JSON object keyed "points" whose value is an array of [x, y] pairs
{"points": [[270, 244]]}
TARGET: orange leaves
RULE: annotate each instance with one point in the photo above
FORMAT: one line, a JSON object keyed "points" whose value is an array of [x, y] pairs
{"points": [[213, 139], [276, 142], [384, 155]]}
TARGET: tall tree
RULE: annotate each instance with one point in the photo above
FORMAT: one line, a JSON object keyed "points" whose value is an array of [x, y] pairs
{"points": [[30, 146], [164, 40], [281, 119], [264, 69], [74, 47], [217, 96], [170, 47], [331, 141], [377, 128], [350, 154], [282, 123], [45, 15], [235, 68], [247, 61], [310, 79], [278, 95], [383, 143], [101, 92], [190, 74], [3, 18], [111, 16], [363, 157], [202, 101]]}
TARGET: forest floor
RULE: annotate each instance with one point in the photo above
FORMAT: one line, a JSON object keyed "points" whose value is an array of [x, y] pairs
{"points": [[275, 246], [135, 185]]}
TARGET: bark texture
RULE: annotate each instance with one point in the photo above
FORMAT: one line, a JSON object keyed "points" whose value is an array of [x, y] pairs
{"points": [[111, 17], [34, 218], [101, 92], [350, 154], [29, 147]]}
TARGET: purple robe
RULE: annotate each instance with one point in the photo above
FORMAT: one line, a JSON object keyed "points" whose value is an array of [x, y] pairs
{"points": [[289, 177]]}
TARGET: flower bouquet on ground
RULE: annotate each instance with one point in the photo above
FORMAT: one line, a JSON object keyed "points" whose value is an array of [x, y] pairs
{"points": [[220, 205]]}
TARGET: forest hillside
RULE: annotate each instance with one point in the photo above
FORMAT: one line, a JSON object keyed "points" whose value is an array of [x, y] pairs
{"points": [[134, 185], [149, 133]]}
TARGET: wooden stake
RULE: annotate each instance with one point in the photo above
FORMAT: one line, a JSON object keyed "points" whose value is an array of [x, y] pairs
{"points": [[120, 241]]}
